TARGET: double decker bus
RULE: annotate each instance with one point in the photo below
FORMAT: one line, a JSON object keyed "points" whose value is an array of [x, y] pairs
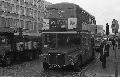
{"points": [[66, 38]]}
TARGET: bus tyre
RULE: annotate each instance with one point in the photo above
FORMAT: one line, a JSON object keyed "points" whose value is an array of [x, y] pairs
{"points": [[7, 60], [45, 66], [78, 64], [30, 56]]}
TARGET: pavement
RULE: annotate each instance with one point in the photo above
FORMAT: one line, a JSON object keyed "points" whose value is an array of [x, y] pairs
{"points": [[96, 69]]}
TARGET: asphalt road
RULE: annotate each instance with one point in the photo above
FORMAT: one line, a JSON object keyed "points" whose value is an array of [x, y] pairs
{"points": [[35, 69]]}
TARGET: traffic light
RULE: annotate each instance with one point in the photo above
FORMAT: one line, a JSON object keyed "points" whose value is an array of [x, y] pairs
{"points": [[107, 29]]}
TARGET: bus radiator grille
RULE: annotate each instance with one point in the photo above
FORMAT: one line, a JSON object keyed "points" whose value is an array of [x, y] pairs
{"points": [[57, 59]]}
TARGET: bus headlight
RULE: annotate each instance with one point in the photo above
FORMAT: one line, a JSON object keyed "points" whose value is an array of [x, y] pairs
{"points": [[45, 46]]}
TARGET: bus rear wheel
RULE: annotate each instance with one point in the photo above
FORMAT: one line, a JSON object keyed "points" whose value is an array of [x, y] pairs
{"points": [[45, 66], [30, 56], [7, 60]]}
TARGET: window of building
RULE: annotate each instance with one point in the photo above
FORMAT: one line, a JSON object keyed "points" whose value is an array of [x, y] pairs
{"points": [[17, 23], [13, 8], [35, 14], [35, 26], [31, 25], [27, 11], [22, 23], [40, 26], [31, 12], [17, 9], [22, 2], [7, 22], [16, 1], [22, 10], [26, 24]]}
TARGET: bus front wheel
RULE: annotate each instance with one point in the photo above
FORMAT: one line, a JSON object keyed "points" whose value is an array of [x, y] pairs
{"points": [[78, 64], [7, 60]]}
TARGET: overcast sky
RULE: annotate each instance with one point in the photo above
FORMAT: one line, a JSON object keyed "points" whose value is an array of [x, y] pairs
{"points": [[103, 10]]}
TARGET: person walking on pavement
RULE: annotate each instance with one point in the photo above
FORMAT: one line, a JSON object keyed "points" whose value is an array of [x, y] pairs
{"points": [[107, 46], [119, 43], [103, 54], [113, 43]]}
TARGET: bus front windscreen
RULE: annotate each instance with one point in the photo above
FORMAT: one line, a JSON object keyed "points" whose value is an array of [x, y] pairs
{"points": [[61, 41]]}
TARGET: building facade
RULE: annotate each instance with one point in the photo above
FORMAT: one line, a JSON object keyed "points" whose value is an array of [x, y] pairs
{"points": [[26, 14]]}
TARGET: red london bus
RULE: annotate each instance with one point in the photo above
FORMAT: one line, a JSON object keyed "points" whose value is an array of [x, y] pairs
{"points": [[64, 40]]}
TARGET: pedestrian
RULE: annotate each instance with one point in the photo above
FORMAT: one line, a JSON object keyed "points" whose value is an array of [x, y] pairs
{"points": [[103, 54], [113, 43], [107, 46], [118, 43]]}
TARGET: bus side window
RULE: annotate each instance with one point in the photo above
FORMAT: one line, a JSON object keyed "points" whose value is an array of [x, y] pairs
{"points": [[26, 45], [30, 45], [76, 41], [35, 45]]}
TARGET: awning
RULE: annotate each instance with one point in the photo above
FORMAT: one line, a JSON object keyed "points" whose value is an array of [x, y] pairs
{"points": [[9, 30]]}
